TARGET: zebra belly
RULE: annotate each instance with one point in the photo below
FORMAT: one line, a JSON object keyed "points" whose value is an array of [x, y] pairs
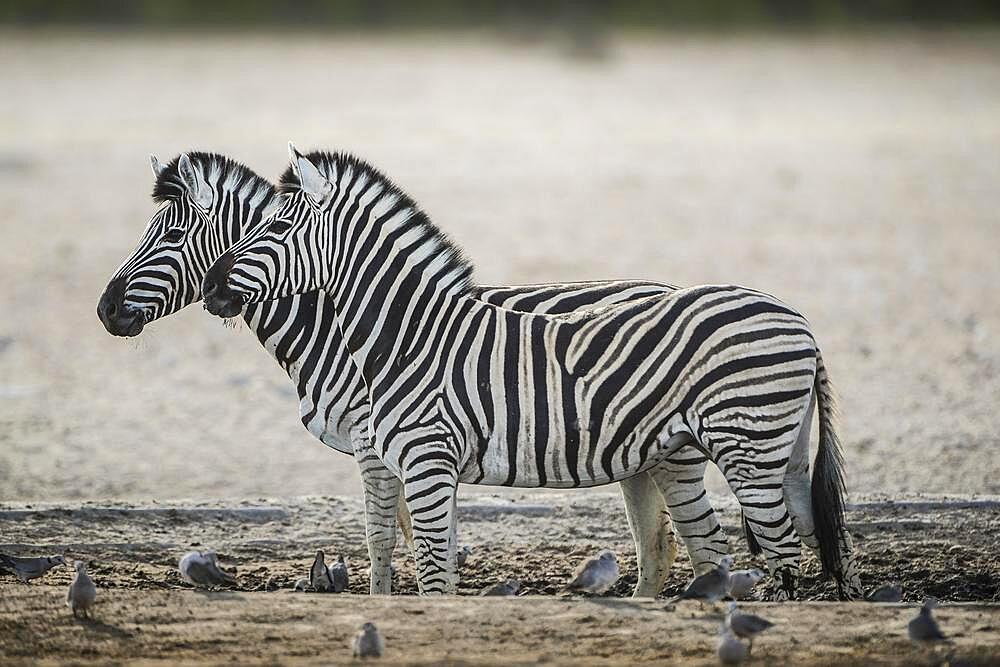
{"points": [[563, 463]]}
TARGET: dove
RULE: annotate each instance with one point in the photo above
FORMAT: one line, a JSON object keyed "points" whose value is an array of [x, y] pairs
{"points": [[463, 555], [319, 574], [201, 568], [746, 626], [731, 650], [888, 593], [338, 575], [711, 586], [506, 588], [595, 575], [27, 569], [923, 628], [368, 643], [82, 592], [741, 582]]}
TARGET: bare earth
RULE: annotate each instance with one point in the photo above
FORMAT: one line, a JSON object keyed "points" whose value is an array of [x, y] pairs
{"points": [[856, 177], [930, 546]]}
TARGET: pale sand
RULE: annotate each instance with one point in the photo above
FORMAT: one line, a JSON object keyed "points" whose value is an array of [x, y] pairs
{"points": [[855, 177]]}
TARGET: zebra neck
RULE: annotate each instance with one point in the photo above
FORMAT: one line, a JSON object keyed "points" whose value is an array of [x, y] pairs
{"points": [[384, 321]]}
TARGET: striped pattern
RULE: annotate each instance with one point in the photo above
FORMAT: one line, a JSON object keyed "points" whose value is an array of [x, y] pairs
{"points": [[164, 273], [466, 391]]}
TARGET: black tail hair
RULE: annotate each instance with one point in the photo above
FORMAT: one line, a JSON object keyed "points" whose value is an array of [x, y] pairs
{"points": [[752, 543], [828, 488]]}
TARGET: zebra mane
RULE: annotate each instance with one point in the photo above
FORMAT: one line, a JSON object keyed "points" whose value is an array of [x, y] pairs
{"points": [[222, 171], [330, 164]]}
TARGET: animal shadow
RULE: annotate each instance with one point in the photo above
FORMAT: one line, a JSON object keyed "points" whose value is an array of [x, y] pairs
{"points": [[100, 627]]}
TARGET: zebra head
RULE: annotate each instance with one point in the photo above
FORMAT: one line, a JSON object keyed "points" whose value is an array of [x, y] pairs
{"points": [[292, 251], [207, 201], [342, 227]]}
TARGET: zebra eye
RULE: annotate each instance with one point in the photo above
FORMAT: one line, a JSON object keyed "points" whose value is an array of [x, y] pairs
{"points": [[174, 235], [279, 226]]}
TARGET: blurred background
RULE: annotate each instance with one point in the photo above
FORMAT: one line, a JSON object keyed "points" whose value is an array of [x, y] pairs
{"points": [[844, 156]]}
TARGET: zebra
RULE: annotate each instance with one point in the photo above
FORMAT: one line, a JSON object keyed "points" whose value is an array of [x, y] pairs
{"points": [[462, 390], [209, 201]]}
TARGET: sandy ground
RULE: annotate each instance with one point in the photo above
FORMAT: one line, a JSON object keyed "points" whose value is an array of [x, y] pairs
{"points": [[855, 177], [930, 546]]}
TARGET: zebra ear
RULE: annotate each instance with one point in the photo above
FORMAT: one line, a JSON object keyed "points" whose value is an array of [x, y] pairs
{"points": [[196, 186], [158, 168], [312, 182]]}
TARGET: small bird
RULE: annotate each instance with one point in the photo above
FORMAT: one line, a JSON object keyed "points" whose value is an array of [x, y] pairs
{"points": [[82, 592], [924, 628], [887, 593], [368, 643], [338, 575], [319, 574], [302, 585], [201, 568], [711, 586], [731, 650], [595, 575], [463, 555], [506, 588], [27, 569], [746, 626], [741, 582]]}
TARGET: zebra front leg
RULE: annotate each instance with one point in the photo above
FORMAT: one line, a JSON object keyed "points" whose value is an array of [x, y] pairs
{"points": [[655, 546], [430, 497], [681, 480], [382, 492]]}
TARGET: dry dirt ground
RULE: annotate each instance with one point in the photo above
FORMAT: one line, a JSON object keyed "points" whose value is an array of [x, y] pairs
{"points": [[854, 176], [937, 546]]}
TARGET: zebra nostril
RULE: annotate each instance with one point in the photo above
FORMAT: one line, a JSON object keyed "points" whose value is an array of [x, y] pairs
{"points": [[210, 287], [112, 309]]}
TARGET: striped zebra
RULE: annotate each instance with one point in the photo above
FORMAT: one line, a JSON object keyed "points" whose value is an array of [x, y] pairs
{"points": [[208, 202], [462, 390]]}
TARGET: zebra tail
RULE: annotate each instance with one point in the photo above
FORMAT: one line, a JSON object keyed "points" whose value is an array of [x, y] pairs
{"points": [[752, 544], [828, 488]]}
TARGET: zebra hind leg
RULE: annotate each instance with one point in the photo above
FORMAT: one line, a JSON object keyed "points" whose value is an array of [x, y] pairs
{"points": [[681, 481], [797, 486], [758, 486], [655, 545]]}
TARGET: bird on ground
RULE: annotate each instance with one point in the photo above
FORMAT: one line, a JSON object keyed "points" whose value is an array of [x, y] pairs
{"points": [[730, 650], [319, 574], [463, 555], [82, 591], [201, 568], [711, 586], [506, 588], [595, 575], [27, 569], [887, 593], [338, 576], [368, 643], [742, 582], [746, 626], [924, 628], [302, 585]]}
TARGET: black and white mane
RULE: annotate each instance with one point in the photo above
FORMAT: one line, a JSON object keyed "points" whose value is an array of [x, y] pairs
{"points": [[343, 169]]}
